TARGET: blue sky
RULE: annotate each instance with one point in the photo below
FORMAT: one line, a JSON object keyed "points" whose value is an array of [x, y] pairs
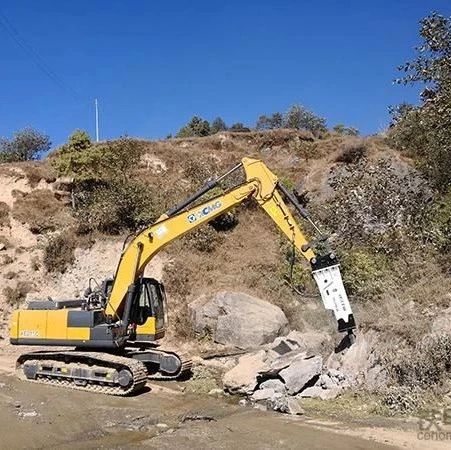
{"points": [[154, 64]]}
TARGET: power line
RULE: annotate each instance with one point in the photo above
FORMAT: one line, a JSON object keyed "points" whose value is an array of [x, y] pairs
{"points": [[36, 58]]}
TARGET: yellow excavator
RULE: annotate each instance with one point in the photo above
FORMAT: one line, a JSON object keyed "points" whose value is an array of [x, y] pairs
{"points": [[112, 333]]}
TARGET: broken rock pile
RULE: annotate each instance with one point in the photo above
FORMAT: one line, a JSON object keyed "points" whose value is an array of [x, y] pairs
{"points": [[278, 376]]}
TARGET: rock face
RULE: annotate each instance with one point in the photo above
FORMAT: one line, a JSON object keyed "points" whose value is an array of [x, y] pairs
{"points": [[238, 319]]}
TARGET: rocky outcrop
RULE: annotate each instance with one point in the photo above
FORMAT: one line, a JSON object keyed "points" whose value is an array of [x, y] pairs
{"points": [[238, 319]]}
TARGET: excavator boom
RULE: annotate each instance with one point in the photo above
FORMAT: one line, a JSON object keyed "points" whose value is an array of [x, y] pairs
{"points": [[264, 187]]}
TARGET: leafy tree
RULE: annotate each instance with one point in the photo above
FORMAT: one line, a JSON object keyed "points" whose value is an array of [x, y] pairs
{"points": [[276, 120], [112, 160], [424, 131], [346, 131], [107, 196], [79, 140], [195, 127], [26, 145], [263, 123], [218, 125], [300, 118], [239, 127], [269, 123]]}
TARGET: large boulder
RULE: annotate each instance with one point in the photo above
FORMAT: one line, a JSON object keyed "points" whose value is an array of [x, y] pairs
{"points": [[300, 372], [238, 319], [242, 379]]}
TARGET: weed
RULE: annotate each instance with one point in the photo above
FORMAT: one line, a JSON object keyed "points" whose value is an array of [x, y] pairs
{"points": [[41, 211], [15, 296], [4, 215], [352, 152], [59, 252]]}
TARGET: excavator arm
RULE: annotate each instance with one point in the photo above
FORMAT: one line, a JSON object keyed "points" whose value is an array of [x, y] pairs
{"points": [[264, 187]]}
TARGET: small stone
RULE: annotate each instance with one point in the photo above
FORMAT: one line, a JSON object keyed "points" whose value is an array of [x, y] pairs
{"points": [[278, 402], [2, 246], [260, 407], [26, 414], [216, 391], [262, 394], [275, 384], [327, 382], [318, 392], [162, 425], [294, 408]]}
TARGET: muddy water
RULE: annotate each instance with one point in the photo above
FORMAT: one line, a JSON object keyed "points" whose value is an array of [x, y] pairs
{"points": [[36, 416]]}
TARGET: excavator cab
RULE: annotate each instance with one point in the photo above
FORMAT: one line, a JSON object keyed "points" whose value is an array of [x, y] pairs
{"points": [[149, 311]]}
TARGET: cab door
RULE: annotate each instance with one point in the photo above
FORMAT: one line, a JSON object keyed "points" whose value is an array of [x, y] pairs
{"points": [[158, 304]]}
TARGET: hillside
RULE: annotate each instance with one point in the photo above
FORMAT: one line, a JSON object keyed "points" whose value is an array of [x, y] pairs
{"points": [[376, 206]]}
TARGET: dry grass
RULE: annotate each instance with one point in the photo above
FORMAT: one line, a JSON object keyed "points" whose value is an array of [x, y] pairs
{"points": [[59, 249], [15, 296], [41, 211], [5, 241], [35, 171], [4, 215], [353, 152]]}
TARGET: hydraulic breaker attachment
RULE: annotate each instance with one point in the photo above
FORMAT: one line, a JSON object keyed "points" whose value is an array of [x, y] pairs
{"points": [[326, 272]]}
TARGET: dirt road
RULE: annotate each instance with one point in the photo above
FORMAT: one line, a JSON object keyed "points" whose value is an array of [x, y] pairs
{"points": [[36, 416]]}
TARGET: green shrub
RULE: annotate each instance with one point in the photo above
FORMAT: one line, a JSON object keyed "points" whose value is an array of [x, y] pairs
{"points": [[111, 160], [59, 252], [363, 273], [424, 132], [195, 127], [111, 207], [441, 223], [26, 145], [300, 118], [401, 400], [345, 131]]}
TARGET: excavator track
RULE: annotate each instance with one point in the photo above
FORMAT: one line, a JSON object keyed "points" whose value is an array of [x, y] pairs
{"points": [[96, 372], [162, 364], [185, 367]]}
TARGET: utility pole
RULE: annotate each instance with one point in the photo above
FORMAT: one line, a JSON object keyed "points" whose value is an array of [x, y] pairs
{"points": [[97, 121]]}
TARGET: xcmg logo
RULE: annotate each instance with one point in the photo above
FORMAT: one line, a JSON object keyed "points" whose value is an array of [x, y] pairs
{"points": [[205, 211]]}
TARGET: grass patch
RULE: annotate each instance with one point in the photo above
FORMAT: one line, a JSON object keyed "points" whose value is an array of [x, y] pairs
{"points": [[4, 215], [41, 211], [59, 250], [15, 296]]}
